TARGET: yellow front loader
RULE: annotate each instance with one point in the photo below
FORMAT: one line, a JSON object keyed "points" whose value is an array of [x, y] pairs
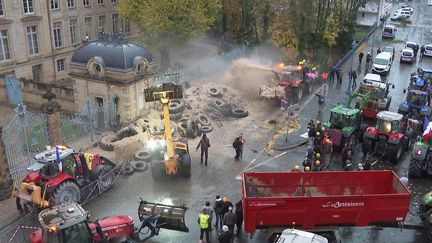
{"points": [[166, 156]]}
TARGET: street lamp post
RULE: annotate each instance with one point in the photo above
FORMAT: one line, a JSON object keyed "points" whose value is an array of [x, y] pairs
{"points": [[376, 25]]}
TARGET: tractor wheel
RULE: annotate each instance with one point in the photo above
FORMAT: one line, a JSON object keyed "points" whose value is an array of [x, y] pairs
{"points": [[415, 168], [157, 169], [106, 179], [367, 146], [66, 192], [186, 165], [394, 152], [299, 92]]}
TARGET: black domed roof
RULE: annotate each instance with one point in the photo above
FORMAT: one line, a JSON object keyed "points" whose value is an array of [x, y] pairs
{"points": [[116, 55]]}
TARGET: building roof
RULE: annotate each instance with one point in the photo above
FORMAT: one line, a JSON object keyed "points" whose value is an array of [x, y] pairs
{"points": [[117, 55]]}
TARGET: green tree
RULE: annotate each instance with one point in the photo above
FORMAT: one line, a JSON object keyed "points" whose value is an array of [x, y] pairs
{"points": [[170, 23]]}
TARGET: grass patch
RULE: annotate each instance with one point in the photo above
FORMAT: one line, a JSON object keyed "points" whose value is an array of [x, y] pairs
{"points": [[359, 32], [394, 41]]}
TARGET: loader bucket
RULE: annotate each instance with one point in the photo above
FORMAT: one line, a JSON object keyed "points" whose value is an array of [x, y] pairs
{"points": [[171, 90], [171, 217]]}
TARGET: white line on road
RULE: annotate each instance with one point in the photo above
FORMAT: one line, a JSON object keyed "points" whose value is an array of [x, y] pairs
{"points": [[238, 177], [265, 161], [305, 135]]}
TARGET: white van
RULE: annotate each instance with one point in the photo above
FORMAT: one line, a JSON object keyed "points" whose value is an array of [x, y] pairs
{"points": [[299, 236], [389, 32], [382, 63]]}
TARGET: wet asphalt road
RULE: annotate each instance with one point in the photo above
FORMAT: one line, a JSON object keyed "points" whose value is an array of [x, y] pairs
{"points": [[220, 176]]}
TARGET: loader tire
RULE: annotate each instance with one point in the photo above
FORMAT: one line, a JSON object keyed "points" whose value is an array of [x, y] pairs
{"points": [[66, 192], [415, 168], [186, 165], [157, 169]]}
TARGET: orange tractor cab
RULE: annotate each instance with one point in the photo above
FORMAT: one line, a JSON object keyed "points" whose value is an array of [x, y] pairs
{"points": [[70, 224], [61, 175]]}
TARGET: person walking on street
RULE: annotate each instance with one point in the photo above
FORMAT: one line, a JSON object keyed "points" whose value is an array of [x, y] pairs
{"points": [[204, 143], [203, 222], [238, 146], [239, 216], [311, 131], [230, 219], [332, 75], [218, 208], [210, 211], [226, 236], [378, 51], [354, 79], [360, 56], [340, 77], [422, 50], [226, 205], [368, 61]]}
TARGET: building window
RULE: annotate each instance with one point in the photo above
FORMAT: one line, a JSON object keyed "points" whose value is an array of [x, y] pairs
{"points": [[28, 6], [73, 28], [57, 29], [32, 40], [55, 4], [126, 26], [1, 8], [71, 3], [86, 2], [100, 2], [115, 23], [4, 46], [113, 1], [101, 27], [88, 26], [60, 65]]}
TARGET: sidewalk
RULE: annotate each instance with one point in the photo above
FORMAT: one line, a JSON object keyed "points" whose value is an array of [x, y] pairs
{"points": [[335, 96]]}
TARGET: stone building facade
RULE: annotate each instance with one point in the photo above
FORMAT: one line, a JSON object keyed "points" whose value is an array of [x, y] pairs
{"points": [[38, 37]]}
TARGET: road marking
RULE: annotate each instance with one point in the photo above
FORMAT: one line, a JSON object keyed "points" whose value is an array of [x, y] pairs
{"points": [[267, 160], [239, 177]]}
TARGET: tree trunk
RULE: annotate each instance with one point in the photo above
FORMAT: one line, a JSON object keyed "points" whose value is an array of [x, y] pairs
{"points": [[165, 59]]}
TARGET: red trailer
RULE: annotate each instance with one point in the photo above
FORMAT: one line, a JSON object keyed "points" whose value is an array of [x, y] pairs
{"points": [[312, 199]]}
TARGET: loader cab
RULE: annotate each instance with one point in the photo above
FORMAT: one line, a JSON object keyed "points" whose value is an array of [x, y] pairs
{"points": [[63, 224]]}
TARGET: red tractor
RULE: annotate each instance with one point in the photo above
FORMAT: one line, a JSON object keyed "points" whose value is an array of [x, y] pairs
{"points": [[70, 224], [388, 138], [61, 175]]}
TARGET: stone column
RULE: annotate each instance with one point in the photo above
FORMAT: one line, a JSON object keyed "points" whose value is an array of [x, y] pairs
{"points": [[6, 181], [52, 109]]}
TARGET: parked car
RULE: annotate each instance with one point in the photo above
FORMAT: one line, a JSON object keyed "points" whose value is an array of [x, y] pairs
{"points": [[401, 15], [413, 45], [403, 9], [389, 32], [428, 50], [389, 49], [382, 63], [407, 56], [300, 236]]}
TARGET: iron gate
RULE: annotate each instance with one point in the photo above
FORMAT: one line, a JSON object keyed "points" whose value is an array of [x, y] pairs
{"points": [[13, 89]]}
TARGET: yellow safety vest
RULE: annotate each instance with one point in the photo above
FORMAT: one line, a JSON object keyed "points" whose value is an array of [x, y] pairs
{"points": [[204, 221]]}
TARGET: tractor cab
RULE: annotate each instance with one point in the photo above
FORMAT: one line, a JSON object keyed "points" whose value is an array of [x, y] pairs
{"points": [[344, 118], [47, 162], [287, 74], [416, 103], [69, 223], [388, 122]]}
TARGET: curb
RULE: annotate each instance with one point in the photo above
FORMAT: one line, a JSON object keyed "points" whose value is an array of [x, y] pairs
{"points": [[290, 147]]}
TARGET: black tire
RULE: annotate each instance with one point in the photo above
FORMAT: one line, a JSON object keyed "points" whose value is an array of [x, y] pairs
{"points": [[126, 132], [142, 155], [394, 152], [157, 169], [367, 146], [191, 132], [106, 142], [239, 112], [206, 129], [175, 116], [106, 179], [415, 168], [199, 129], [65, 192], [127, 170], [222, 106], [186, 165], [139, 166], [176, 106], [215, 92], [204, 120], [299, 92]]}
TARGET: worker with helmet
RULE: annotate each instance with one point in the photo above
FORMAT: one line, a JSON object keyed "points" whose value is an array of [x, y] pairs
{"points": [[317, 165], [311, 131], [296, 169], [360, 167], [317, 143], [307, 163], [306, 168]]}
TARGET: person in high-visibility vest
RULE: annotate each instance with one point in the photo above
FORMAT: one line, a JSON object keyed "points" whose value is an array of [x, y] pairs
{"points": [[204, 223]]}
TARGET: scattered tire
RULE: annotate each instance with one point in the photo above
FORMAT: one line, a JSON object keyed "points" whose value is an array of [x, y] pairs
{"points": [[204, 120], [105, 178], [127, 170], [215, 92], [199, 129], [106, 142], [66, 192], [191, 132], [176, 116], [221, 106], [176, 106], [126, 132], [142, 155], [139, 166], [415, 168], [239, 113], [206, 129]]}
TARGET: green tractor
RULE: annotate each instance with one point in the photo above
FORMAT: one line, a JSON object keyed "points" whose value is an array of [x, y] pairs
{"points": [[344, 125], [425, 212], [421, 159]]}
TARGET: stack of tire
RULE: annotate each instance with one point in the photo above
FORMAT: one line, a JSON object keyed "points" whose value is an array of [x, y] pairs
{"points": [[107, 141], [140, 164], [226, 108], [191, 127], [176, 108]]}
